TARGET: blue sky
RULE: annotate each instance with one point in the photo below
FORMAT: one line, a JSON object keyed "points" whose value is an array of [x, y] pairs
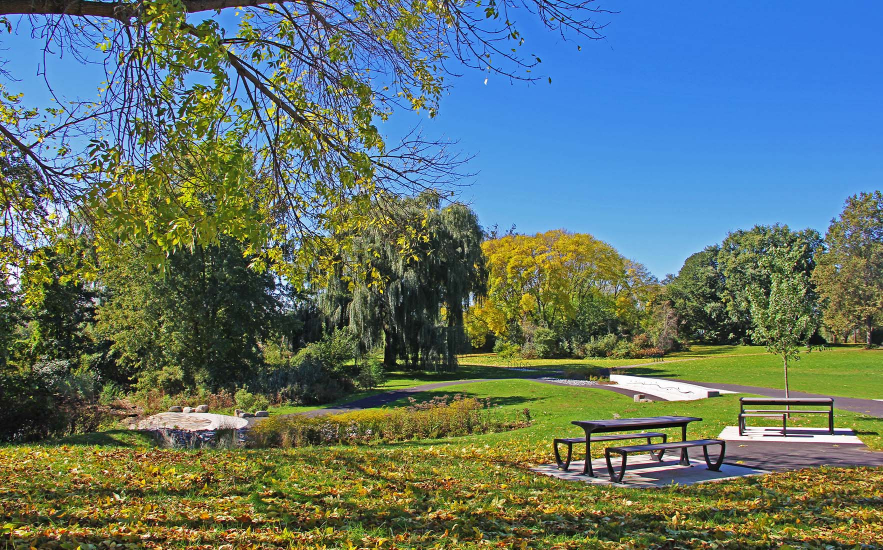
{"points": [[691, 119]]}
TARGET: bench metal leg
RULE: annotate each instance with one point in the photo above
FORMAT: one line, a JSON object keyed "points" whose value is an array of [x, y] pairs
{"points": [[717, 465], [831, 421], [614, 477], [685, 459], [566, 464]]}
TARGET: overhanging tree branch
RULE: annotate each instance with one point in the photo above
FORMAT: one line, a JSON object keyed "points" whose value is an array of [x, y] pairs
{"points": [[122, 11]]}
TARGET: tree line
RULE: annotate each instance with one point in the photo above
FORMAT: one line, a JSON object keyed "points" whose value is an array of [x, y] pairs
{"points": [[412, 289], [716, 295]]}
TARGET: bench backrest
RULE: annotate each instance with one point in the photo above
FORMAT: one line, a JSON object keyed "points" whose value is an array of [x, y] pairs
{"points": [[808, 401]]}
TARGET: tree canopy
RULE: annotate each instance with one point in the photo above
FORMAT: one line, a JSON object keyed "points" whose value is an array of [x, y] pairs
{"points": [[849, 274], [413, 305], [743, 263], [696, 294], [559, 280], [278, 101]]}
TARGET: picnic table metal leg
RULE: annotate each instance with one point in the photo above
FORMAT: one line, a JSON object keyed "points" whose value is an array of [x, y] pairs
{"points": [[685, 459], [587, 467]]}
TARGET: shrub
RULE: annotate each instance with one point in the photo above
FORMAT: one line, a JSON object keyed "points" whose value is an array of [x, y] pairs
{"points": [[50, 398], [307, 381], [371, 374], [335, 352], [110, 392], [600, 347], [440, 417], [622, 350], [248, 401], [546, 343], [506, 349]]}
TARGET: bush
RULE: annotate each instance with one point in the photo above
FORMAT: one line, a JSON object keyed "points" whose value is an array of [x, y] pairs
{"points": [[440, 417], [506, 350], [371, 374], [248, 401], [335, 352], [622, 350], [49, 399], [110, 392], [600, 347], [156, 400], [545, 342]]}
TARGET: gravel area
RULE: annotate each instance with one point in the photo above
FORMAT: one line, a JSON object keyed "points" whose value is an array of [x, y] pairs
{"points": [[570, 382]]}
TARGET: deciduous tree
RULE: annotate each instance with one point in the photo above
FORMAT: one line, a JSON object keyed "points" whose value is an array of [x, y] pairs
{"points": [[783, 314], [279, 101], [743, 261], [849, 275]]}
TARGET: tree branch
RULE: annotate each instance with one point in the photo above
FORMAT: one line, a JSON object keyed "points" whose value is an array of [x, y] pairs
{"points": [[122, 11]]}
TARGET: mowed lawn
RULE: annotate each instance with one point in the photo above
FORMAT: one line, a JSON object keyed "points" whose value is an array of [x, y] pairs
{"points": [[845, 372], [470, 492], [839, 371]]}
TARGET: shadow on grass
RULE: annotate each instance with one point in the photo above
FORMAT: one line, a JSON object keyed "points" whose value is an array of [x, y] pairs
{"points": [[109, 438]]}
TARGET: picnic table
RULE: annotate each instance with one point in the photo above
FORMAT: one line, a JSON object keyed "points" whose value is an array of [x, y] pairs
{"points": [[629, 424]]}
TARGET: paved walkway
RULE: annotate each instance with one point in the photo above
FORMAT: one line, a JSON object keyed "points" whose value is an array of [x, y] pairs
{"points": [[863, 406]]}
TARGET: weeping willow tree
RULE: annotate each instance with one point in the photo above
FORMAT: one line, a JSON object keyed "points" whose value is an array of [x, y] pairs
{"points": [[410, 303]]}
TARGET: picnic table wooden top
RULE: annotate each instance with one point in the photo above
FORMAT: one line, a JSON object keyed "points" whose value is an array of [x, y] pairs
{"points": [[619, 424]]}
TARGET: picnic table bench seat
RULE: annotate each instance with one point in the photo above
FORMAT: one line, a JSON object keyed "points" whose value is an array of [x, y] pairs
{"points": [[661, 448], [748, 410], [570, 441]]}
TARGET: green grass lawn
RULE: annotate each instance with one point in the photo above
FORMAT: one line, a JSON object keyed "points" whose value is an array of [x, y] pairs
{"points": [[471, 492], [406, 379], [845, 372], [493, 360]]}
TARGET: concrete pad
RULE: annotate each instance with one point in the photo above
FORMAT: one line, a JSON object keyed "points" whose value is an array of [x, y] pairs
{"points": [[842, 436], [642, 471], [668, 390]]}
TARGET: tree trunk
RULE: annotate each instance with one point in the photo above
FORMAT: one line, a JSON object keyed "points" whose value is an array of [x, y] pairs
{"points": [[870, 327], [390, 352], [786, 378]]}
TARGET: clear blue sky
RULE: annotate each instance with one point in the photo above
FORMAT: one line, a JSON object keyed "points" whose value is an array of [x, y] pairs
{"points": [[690, 120]]}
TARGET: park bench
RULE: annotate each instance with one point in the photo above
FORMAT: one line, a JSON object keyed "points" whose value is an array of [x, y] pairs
{"points": [[661, 448], [570, 441], [761, 407]]}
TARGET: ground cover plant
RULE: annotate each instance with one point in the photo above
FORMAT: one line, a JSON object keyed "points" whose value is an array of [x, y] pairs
{"points": [[441, 416], [464, 492]]}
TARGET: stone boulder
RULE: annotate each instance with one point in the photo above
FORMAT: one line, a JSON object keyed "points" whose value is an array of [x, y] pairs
{"points": [[176, 409], [188, 410], [202, 409], [261, 414]]}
